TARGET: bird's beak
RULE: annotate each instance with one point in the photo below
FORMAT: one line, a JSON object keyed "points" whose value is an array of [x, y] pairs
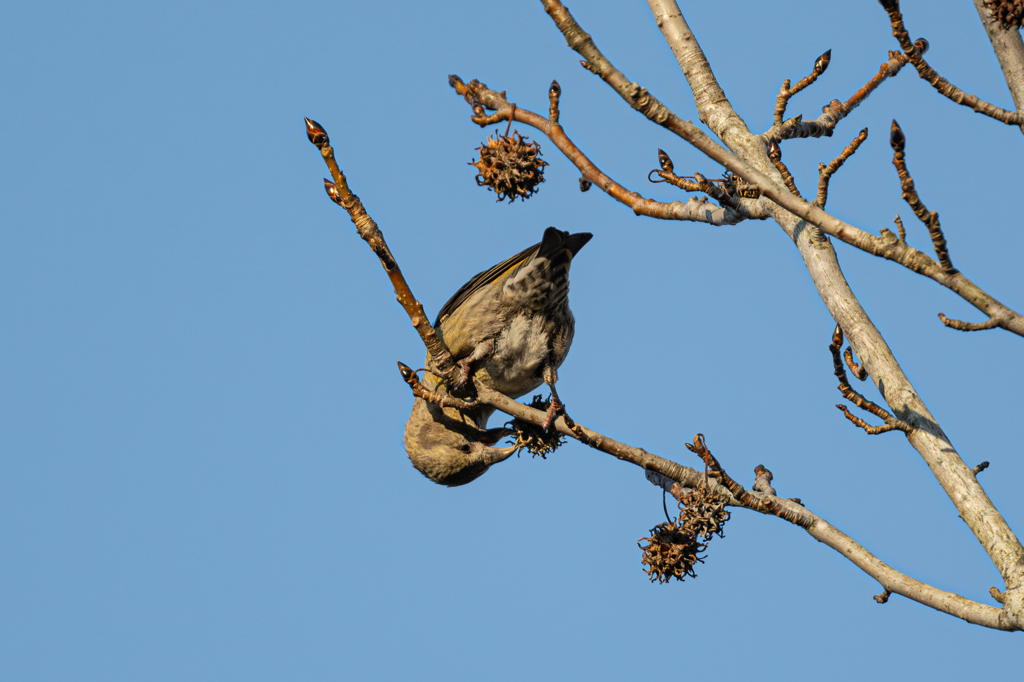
{"points": [[494, 455]]}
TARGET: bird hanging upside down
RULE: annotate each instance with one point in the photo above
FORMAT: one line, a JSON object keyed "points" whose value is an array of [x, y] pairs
{"points": [[510, 325]]}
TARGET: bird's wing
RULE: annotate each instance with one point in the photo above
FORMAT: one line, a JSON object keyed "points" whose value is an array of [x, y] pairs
{"points": [[483, 279]]}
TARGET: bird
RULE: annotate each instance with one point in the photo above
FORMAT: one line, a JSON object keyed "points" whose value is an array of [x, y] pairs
{"points": [[511, 327], [450, 446]]}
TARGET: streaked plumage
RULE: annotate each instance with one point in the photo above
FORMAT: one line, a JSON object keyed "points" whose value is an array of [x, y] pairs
{"points": [[512, 326], [512, 322]]}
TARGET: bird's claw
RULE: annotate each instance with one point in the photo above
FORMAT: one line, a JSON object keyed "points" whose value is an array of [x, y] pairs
{"points": [[554, 409]]}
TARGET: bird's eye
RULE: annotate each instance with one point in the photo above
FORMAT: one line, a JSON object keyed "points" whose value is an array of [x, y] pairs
{"points": [[465, 447]]}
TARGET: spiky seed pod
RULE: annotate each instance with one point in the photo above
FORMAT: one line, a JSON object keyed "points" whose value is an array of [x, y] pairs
{"points": [[702, 513], [510, 166], [1010, 13], [671, 552], [534, 439]]}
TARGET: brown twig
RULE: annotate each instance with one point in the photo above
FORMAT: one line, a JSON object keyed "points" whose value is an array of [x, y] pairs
{"points": [[981, 467], [882, 598], [990, 323], [340, 194], [930, 218], [765, 504], [825, 172], [891, 422], [775, 156], [763, 480], [835, 111], [483, 98], [554, 92], [786, 92], [668, 475], [726, 194], [902, 230], [436, 397], [915, 51], [857, 370]]}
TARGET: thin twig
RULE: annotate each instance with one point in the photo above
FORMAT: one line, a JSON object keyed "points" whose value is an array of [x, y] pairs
{"points": [[915, 51], [902, 230], [857, 370], [990, 323], [786, 92], [891, 422], [436, 397], [930, 218], [479, 95], [825, 172], [554, 92], [835, 111], [640, 99], [775, 156], [340, 194]]}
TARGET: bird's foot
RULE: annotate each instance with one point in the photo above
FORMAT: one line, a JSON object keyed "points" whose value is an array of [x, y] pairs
{"points": [[554, 409]]}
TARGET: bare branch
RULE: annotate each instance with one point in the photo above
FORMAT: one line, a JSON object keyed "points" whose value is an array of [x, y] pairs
{"points": [[891, 422], [436, 397], [931, 219], [915, 52], [891, 249], [728, 193], [927, 437], [554, 93], [968, 326], [825, 173], [902, 230], [775, 156], [482, 97], [340, 194], [835, 111], [786, 92], [1009, 49], [857, 370]]}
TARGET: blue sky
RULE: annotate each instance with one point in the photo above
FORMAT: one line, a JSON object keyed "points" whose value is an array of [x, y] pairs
{"points": [[201, 468]]}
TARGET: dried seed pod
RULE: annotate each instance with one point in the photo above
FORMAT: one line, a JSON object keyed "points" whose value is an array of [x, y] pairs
{"points": [[534, 439], [671, 552], [702, 513], [510, 166]]}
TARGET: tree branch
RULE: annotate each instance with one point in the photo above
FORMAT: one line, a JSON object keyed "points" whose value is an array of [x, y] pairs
{"points": [[915, 53], [926, 436], [479, 95], [891, 249], [340, 194], [825, 173], [1009, 49], [835, 111]]}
